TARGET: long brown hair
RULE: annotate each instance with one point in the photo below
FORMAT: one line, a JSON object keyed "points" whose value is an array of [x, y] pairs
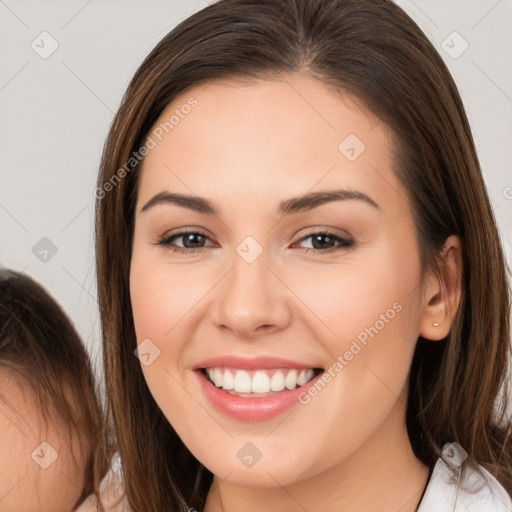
{"points": [[373, 50], [39, 346]]}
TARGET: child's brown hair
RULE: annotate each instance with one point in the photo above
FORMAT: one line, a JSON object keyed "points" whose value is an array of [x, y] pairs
{"points": [[40, 347]]}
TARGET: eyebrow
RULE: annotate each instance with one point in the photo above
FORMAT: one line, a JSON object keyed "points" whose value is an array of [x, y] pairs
{"points": [[297, 204]]}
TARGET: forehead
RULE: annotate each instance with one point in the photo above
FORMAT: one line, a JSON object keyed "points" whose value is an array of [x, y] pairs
{"points": [[274, 137]]}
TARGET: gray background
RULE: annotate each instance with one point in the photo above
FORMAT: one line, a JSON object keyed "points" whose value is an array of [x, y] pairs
{"points": [[55, 113]]}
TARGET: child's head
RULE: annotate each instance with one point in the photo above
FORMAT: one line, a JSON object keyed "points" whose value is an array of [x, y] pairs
{"points": [[50, 416]]}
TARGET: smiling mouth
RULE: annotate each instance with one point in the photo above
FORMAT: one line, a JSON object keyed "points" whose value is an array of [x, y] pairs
{"points": [[261, 382]]}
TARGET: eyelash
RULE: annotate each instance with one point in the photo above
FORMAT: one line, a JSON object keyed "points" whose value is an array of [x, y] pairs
{"points": [[344, 243]]}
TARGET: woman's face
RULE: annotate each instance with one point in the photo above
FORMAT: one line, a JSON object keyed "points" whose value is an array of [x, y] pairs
{"points": [[308, 264]]}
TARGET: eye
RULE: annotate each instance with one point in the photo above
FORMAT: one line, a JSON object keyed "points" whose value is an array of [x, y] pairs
{"points": [[326, 241], [191, 241]]}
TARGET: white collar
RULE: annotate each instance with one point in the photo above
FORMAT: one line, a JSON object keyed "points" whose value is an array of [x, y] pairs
{"points": [[449, 491]]}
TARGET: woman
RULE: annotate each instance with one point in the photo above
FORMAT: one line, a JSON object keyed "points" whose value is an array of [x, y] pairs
{"points": [[50, 416], [295, 241]]}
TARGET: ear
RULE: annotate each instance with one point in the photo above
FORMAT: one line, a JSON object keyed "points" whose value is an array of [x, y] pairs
{"points": [[442, 295]]}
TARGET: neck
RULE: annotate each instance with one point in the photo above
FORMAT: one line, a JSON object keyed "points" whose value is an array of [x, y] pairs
{"points": [[381, 475]]}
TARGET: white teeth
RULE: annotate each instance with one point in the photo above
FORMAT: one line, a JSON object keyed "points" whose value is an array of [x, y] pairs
{"points": [[305, 376], [277, 382], [229, 380], [291, 379], [301, 379], [242, 382], [217, 377], [259, 381]]}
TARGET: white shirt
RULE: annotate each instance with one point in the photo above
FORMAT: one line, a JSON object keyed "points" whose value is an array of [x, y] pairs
{"points": [[445, 492]]}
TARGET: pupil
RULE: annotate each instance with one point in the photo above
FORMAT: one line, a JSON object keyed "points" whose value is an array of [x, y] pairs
{"points": [[187, 239], [317, 238]]}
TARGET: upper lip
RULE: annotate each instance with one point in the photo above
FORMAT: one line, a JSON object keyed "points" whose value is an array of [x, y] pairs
{"points": [[253, 363]]}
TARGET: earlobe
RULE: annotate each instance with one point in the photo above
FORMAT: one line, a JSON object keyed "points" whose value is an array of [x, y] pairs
{"points": [[442, 293]]}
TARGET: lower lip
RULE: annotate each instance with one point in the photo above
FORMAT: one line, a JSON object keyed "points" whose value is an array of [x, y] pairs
{"points": [[252, 409]]}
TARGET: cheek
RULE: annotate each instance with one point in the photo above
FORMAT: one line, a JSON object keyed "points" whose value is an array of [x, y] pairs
{"points": [[166, 301], [161, 296], [361, 300]]}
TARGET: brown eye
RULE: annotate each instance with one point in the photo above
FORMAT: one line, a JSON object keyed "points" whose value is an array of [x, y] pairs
{"points": [[188, 241], [326, 242]]}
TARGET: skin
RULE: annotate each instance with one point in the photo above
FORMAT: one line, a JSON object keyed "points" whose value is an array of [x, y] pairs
{"points": [[246, 147], [25, 484]]}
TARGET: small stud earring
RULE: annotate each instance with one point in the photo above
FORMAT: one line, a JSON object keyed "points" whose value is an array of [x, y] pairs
{"points": [[436, 324]]}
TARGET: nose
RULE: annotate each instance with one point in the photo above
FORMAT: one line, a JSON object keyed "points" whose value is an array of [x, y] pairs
{"points": [[251, 301]]}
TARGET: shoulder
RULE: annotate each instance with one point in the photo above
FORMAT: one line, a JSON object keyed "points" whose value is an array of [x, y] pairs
{"points": [[453, 490], [111, 494]]}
